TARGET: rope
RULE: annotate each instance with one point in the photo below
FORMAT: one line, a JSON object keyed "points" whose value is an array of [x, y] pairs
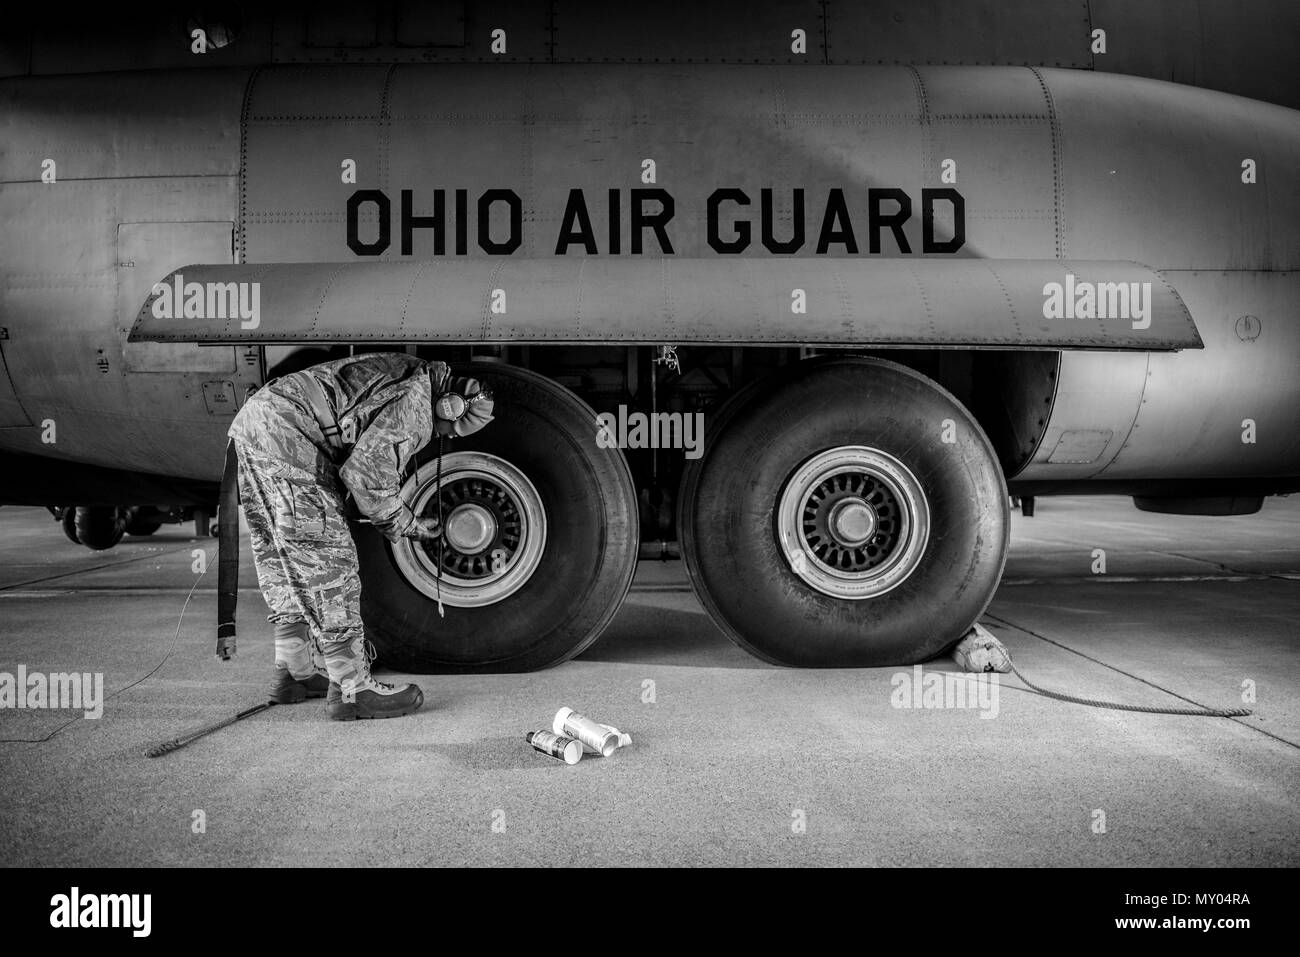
{"points": [[1116, 706], [145, 677]]}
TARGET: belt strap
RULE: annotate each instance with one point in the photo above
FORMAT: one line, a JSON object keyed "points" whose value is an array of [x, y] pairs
{"points": [[320, 408], [228, 555]]}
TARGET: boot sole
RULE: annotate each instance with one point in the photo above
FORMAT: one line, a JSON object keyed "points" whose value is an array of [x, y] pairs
{"points": [[297, 696], [354, 713]]}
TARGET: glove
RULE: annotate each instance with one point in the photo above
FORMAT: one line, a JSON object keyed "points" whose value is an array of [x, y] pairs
{"points": [[424, 530]]}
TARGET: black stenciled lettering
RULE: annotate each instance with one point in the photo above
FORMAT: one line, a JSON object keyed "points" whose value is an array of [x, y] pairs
{"points": [[462, 221], [795, 242], [837, 211], [928, 197], [655, 221], [876, 219], [385, 225], [576, 226], [716, 242], [485, 241], [615, 222], [437, 222]]}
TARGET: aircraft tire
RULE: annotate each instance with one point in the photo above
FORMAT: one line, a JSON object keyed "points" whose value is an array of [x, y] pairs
{"points": [[570, 510], [99, 527], [829, 523], [68, 522], [140, 523]]}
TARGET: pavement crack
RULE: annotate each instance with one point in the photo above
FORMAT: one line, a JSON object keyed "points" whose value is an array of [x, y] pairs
{"points": [[92, 568], [1229, 570]]}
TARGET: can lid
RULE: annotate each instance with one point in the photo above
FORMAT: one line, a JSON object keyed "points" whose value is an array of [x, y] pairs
{"points": [[623, 739], [529, 736], [560, 717], [572, 752]]}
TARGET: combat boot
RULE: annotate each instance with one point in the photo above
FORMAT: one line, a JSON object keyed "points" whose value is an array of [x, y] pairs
{"points": [[353, 691], [299, 670], [286, 689]]}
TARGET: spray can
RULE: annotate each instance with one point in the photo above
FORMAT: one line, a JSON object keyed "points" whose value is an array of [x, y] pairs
{"points": [[623, 739], [600, 739], [556, 745]]}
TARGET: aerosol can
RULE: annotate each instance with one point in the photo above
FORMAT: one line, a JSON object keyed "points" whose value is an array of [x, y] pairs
{"points": [[596, 738], [556, 745], [623, 739]]}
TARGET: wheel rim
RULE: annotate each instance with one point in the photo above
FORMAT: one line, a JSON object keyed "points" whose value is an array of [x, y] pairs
{"points": [[853, 522], [494, 534]]}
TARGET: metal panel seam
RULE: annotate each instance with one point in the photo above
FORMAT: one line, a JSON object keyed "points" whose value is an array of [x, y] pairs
{"points": [[1137, 414], [923, 116], [1005, 295], [385, 125], [487, 302], [410, 291], [241, 248], [324, 294], [1057, 183]]}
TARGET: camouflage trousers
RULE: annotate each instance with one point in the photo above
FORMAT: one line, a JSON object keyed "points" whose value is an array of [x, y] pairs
{"points": [[306, 560]]}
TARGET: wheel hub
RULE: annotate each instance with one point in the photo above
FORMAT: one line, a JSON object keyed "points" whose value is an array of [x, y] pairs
{"points": [[494, 530], [470, 528], [853, 522]]}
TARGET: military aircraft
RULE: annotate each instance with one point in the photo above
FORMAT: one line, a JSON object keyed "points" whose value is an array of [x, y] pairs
{"points": [[800, 291]]}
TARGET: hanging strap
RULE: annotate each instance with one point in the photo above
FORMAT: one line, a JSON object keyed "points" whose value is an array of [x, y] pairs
{"points": [[228, 554], [320, 408]]}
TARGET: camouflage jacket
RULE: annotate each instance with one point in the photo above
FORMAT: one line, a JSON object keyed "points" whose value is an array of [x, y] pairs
{"points": [[383, 403]]}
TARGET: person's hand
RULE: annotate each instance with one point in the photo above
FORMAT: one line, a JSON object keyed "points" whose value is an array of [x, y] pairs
{"points": [[425, 530]]}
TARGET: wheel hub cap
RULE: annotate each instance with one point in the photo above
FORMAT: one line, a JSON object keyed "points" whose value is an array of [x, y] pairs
{"points": [[853, 522], [470, 528]]}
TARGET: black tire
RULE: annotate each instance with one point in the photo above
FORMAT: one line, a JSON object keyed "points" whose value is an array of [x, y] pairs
{"points": [[140, 521], [68, 522], [585, 569], [99, 527], [728, 518]]}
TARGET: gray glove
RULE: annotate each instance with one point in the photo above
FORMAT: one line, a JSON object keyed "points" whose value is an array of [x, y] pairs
{"points": [[424, 530]]}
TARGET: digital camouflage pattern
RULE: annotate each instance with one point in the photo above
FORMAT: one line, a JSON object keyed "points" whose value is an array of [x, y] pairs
{"points": [[292, 485]]}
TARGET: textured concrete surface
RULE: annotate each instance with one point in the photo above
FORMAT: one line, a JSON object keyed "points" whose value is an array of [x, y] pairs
{"points": [[734, 761]]}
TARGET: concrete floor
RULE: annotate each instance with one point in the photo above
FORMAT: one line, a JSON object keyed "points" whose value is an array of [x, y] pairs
{"points": [[728, 761]]}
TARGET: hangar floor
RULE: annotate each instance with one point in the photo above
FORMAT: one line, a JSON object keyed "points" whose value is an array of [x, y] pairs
{"points": [[731, 759]]}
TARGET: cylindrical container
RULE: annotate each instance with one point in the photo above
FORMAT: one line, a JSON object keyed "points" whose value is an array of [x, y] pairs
{"points": [[556, 745], [600, 739], [623, 739]]}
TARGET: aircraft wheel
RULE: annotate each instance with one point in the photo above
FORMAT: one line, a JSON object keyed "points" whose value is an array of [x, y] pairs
{"points": [[830, 525], [99, 527], [68, 522], [140, 521], [539, 547]]}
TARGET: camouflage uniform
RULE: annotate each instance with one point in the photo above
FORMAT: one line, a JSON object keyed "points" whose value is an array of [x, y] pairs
{"points": [[293, 485]]}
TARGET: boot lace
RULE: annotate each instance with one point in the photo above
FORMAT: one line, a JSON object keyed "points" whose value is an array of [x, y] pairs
{"points": [[368, 655]]}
